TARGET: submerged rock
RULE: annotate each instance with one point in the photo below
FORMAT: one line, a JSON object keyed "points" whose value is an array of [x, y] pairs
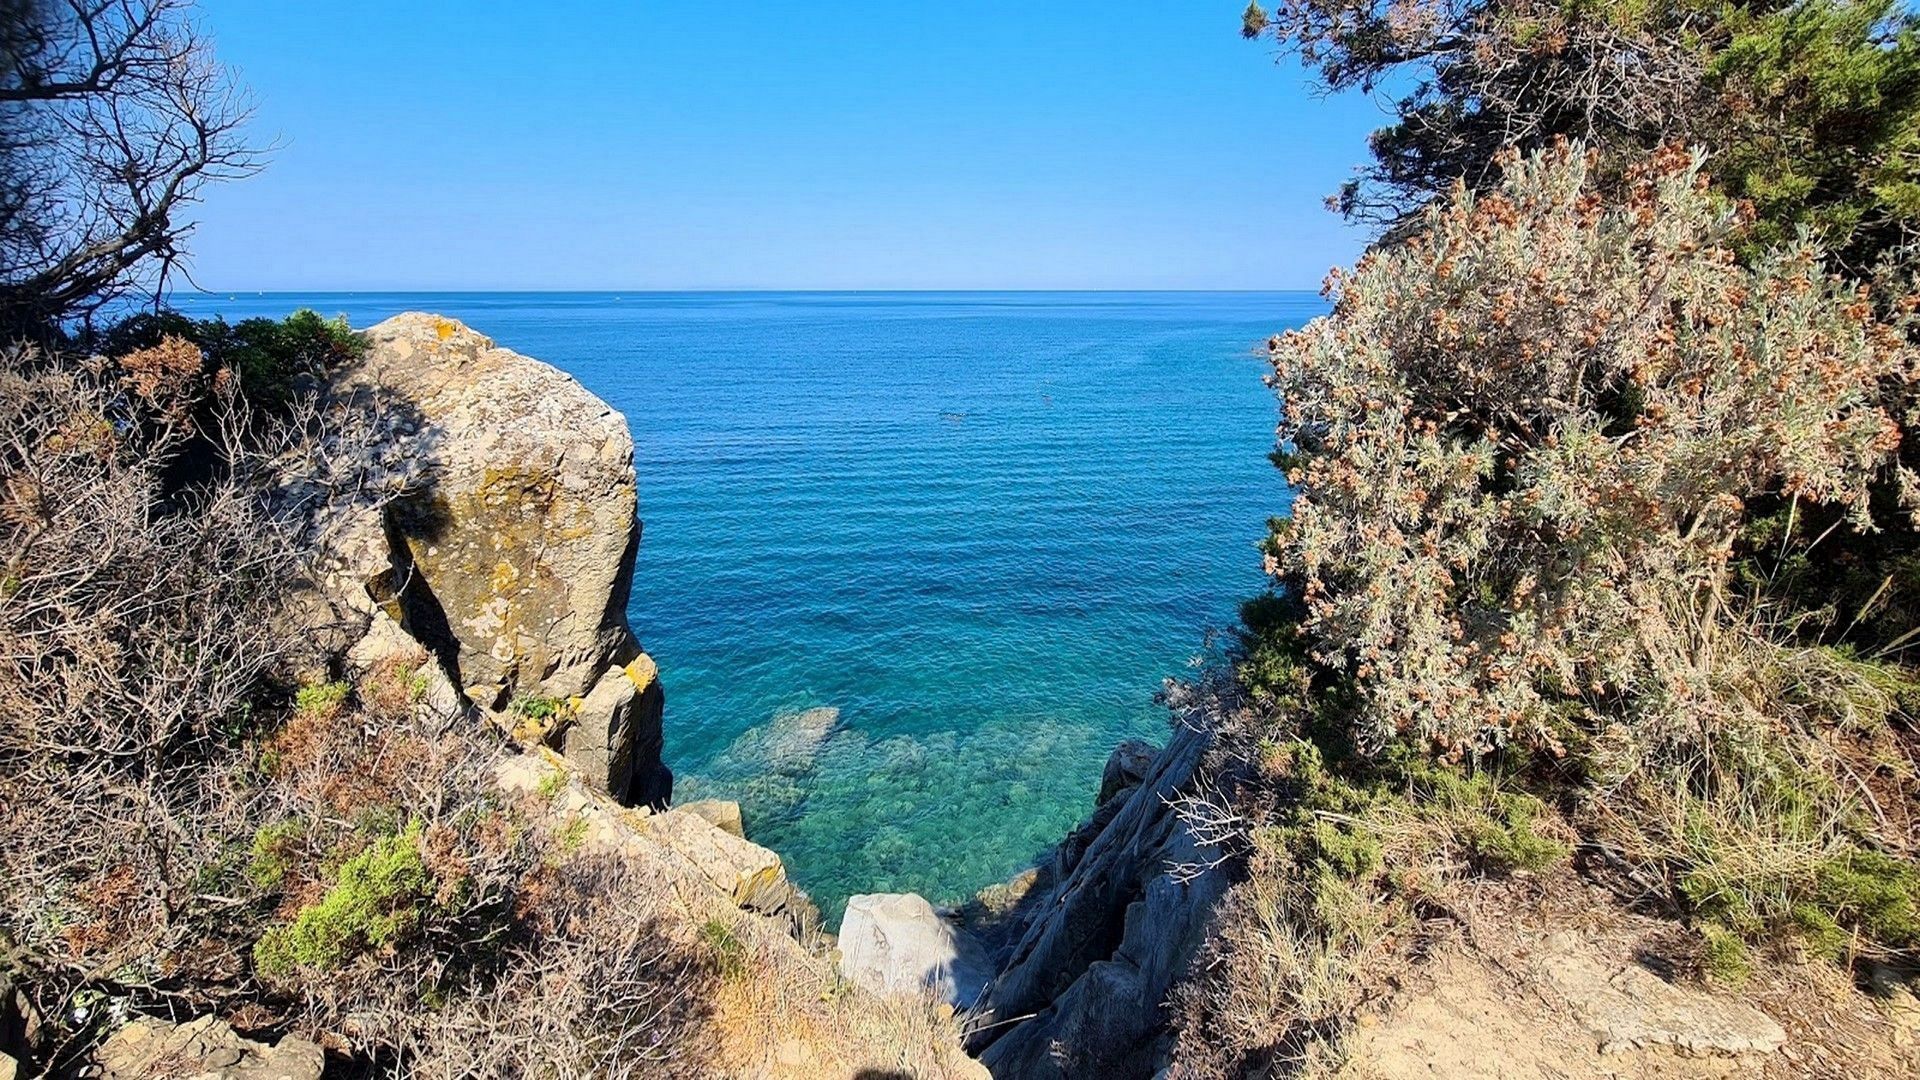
{"points": [[485, 502], [898, 943], [722, 814], [788, 745], [770, 767]]}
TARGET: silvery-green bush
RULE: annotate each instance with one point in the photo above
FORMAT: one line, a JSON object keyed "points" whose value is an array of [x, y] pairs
{"points": [[1524, 441]]}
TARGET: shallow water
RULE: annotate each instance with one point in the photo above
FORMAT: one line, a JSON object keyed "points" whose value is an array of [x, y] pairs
{"points": [[981, 526]]}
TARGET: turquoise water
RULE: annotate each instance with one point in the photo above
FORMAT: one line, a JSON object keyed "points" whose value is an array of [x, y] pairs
{"points": [[983, 527]]}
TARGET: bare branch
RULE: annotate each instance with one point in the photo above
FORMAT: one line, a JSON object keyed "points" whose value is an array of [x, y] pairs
{"points": [[115, 114]]}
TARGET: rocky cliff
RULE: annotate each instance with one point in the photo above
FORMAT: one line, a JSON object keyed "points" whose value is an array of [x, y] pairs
{"points": [[480, 506], [483, 504], [1110, 925]]}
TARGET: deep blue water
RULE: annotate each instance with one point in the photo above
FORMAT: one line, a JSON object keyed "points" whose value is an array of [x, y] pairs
{"points": [[983, 526]]}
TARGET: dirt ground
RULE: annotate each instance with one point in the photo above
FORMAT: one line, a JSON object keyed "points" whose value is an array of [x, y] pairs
{"points": [[1551, 978]]}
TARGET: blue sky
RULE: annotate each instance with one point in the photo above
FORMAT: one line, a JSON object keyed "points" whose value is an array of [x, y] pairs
{"points": [[679, 145]]}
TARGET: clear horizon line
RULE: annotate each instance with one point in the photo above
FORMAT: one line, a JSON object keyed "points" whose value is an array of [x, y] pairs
{"points": [[744, 289]]}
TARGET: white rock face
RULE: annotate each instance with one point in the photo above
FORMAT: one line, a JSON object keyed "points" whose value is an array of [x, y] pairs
{"points": [[895, 943]]}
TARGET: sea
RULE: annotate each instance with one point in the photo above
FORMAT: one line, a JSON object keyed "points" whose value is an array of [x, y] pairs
{"points": [[913, 563]]}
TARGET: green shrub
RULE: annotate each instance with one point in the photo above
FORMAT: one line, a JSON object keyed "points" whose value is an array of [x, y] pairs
{"points": [[272, 851], [574, 836], [321, 698], [1338, 810], [267, 355], [1272, 662], [1817, 929], [1726, 959], [1774, 846], [725, 946], [1810, 109], [377, 898], [1504, 836], [1348, 851], [1876, 893], [538, 709]]}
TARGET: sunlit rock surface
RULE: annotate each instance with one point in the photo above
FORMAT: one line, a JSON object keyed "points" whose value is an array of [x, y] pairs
{"points": [[487, 504]]}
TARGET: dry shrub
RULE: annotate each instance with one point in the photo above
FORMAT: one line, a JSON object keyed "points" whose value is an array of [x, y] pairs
{"points": [[1286, 968], [610, 987], [426, 923], [782, 1010], [163, 374], [134, 636], [1524, 445], [1525, 440], [1344, 862]]}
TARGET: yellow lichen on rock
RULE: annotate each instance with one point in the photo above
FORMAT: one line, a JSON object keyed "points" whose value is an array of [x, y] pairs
{"points": [[642, 671]]}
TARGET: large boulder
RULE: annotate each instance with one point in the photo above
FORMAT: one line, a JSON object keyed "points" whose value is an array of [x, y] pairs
{"points": [[485, 502], [751, 875], [898, 943]]}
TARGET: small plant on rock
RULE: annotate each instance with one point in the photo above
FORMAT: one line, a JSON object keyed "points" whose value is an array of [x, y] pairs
{"points": [[321, 699]]}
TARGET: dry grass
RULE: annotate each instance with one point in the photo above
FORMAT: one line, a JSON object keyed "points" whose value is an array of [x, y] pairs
{"points": [[782, 1012]]}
